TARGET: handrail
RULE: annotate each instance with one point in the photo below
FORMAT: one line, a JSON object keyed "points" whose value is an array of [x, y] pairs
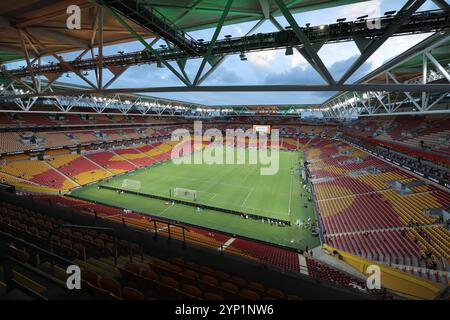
{"points": [[36, 248], [170, 23], [183, 228]]}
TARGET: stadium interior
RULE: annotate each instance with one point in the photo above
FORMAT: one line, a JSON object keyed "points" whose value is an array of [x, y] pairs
{"points": [[89, 174]]}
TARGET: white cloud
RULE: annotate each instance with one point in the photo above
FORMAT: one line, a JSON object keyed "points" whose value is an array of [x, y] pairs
{"points": [[332, 53], [297, 60], [238, 30], [262, 59], [371, 8], [393, 47]]}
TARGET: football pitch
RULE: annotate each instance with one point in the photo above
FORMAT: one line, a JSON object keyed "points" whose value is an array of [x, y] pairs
{"points": [[237, 187]]}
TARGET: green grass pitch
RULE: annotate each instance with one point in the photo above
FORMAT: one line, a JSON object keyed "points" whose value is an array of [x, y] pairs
{"points": [[238, 187]]}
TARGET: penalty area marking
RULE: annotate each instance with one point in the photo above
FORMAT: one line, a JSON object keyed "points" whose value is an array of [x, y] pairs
{"points": [[162, 212], [213, 196], [210, 182]]}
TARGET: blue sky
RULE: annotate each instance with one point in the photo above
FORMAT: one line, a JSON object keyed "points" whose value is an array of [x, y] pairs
{"points": [[269, 67]]}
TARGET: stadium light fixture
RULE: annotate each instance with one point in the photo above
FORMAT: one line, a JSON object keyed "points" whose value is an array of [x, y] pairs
{"points": [[390, 13], [289, 51]]}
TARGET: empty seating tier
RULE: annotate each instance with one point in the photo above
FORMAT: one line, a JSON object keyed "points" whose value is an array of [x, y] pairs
{"points": [[370, 208]]}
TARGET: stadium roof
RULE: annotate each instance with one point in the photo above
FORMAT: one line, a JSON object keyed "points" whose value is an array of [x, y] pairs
{"points": [[412, 66], [194, 14], [431, 55], [46, 20], [38, 28]]}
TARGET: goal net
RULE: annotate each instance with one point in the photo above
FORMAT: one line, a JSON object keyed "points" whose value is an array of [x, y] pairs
{"points": [[131, 184], [184, 193]]}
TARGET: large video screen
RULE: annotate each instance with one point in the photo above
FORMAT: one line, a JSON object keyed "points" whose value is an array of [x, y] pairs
{"points": [[261, 128]]}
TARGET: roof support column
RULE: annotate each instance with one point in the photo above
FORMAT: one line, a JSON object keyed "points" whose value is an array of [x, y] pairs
{"points": [[27, 58], [309, 50], [215, 65], [366, 54], [410, 97], [148, 47], [424, 80], [100, 47], [213, 40]]}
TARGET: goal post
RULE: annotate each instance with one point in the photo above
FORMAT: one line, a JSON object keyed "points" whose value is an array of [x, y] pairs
{"points": [[184, 193]]}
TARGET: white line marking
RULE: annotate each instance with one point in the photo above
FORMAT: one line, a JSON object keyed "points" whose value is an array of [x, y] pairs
{"points": [[146, 188], [248, 174], [256, 210], [215, 194], [228, 243], [161, 213], [246, 198], [210, 182]]}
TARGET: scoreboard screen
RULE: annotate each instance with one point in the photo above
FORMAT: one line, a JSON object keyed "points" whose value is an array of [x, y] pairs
{"points": [[261, 128]]}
